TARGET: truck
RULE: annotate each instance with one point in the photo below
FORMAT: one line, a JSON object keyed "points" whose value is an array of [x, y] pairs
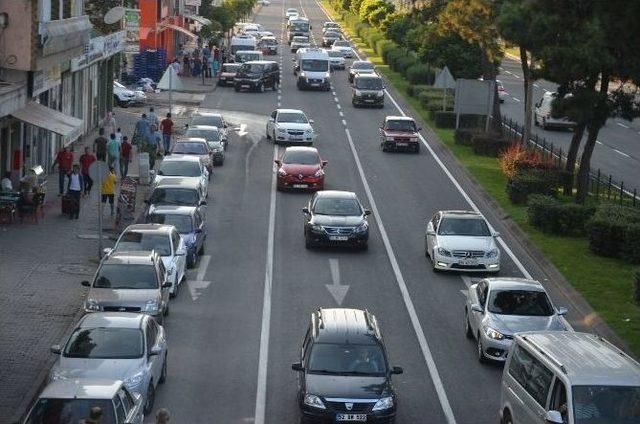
{"points": [[242, 42], [312, 68], [298, 26]]}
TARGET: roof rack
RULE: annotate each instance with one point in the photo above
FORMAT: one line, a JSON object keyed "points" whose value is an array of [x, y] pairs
{"points": [[617, 349], [542, 352]]}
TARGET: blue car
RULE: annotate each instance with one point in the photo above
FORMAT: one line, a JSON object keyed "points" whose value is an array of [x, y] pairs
{"points": [[190, 223]]}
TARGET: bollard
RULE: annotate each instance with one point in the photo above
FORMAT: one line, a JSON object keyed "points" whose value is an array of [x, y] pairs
{"points": [[143, 166]]}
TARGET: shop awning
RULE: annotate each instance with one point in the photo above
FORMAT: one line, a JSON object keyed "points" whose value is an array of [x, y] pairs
{"points": [[65, 34], [201, 19], [179, 29], [68, 127]]}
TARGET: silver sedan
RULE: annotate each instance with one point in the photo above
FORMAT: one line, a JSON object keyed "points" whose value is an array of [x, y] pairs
{"points": [[498, 308]]}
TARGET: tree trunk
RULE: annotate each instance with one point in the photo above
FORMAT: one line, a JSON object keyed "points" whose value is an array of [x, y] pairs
{"points": [[572, 156], [528, 93]]}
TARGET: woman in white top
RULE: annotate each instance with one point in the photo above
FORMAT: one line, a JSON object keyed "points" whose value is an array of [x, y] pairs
{"points": [[74, 189], [6, 184]]}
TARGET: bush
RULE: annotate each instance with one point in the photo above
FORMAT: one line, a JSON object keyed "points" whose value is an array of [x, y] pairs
{"points": [[404, 63], [420, 74], [416, 90], [518, 158], [631, 250], [373, 38], [463, 136], [522, 185], [383, 46], [392, 57], [609, 229], [444, 119], [555, 217], [489, 144]]}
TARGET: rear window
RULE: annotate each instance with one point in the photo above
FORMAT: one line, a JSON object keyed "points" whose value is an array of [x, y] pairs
{"points": [[182, 222], [209, 135], [126, 276], [133, 241], [174, 196], [190, 148], [105, 343], [70, 411]]}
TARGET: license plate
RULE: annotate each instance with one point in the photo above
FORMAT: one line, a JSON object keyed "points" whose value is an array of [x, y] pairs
{"points": [[468, 262], [295, 138], [369, 101], [314, 84], [402, 144], [351, 417], [341, 238], [246, 86], [300, 186]]}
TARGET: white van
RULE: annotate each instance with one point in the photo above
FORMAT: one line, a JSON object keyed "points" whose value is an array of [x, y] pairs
{"points": [[568, 378], [243, 42], [243, 56], [542, 114], [313, 69]]}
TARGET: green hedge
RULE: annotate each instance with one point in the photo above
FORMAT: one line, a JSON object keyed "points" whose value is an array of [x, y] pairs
{"points": [[558, 218], [488, 144], [404, 63], [383, 46], [417, 89], [444, 119], [463, 136], [612, 230], [420, 74], [531, 182]]}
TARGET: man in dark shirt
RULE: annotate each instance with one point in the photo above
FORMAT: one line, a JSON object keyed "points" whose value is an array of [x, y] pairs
{"points": [[64, 160], [100, 145], [166, 125]]}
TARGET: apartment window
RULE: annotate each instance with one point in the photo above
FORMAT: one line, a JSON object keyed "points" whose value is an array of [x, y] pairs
{"points": [[59, 9], [55, 9]]}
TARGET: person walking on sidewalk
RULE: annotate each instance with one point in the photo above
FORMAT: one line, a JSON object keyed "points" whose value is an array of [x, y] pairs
{"points": [[113, 149], [110, 123], [119, 135], [141, 132], [125, 156], [86, 160], [64, 160], [152, 117], [186, 70], [74, 189], [166, 126], [108, 189], [153, 144], [100, 145]]}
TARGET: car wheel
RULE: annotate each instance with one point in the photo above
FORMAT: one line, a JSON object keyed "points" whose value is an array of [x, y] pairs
{"points": [[383, 147], [507, 418], [201, 250], [353, 102], [173, 294], [467, 326], [166, 311], [151, 398], [268, 135], [481, 356], [163, 374], [417, 148], [364, 247]]}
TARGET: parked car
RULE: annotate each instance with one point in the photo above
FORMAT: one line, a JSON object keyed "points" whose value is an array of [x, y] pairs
{"points": [[301, 168], [214, 138], [228, 73], [344, 47], [185, 166], [502, 92], [122, 96], [567, 377], [360, 67], [119, 346], [258, 75], [73, 400], [399, 133], [336, 218], [543, 114], [368, 90], [130, 282], [189, 221], [290, 126], [164, 240], [177, 191], [461, 241], [213, 119], [194, 146], [498, 308], [343, 370]]}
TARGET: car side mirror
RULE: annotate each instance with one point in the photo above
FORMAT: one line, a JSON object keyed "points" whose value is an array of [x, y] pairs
{"points": [[202, 203], [297, 366], [271, 119], [306, 211], [278, 162], [56, 349], [107, 251], [477, 308], [554, 417], [85, 283], [311, 121], [181, 252], [367, 212], [562, 311], [293, 59], [166, 285], [419, 129], [431, 232], [496, 234], [155, 351], [324, 163], [397, 370]]}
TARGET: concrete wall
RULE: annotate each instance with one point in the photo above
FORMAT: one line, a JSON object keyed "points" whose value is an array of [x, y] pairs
{"points": [[19, 37]]}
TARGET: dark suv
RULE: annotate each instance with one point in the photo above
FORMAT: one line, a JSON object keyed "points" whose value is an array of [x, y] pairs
{"points": [[343, 371], [257, 75], [368, 90]]}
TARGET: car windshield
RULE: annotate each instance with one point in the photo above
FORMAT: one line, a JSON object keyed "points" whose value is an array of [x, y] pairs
{"points": [[292, 117], [251, 68], [341, 43], [301, 158], [362, 65], [134, 241], [69, 411], [300, 39], [300, 26], [209, 135], [230, 67], [331, 34], [105, 343], [176, 168], [606, 404], [269, 42], [369, 83], [245, 57], [174, 196], [464, 227], [126, 276], [337, 206], [401, 125], [314, 65], [520, 302], [182, 223], [189, 148], [211, 120], [335, 53], [345, 359]]}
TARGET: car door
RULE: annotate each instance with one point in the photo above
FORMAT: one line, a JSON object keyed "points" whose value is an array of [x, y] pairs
{"points": [[432, 227], [481, 291], [153, 362], [181, 258], [162, 278], [271, 121], [199, 224], [530, 387]]}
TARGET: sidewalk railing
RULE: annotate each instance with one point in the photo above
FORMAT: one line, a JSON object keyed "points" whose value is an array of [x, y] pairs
{"points": [[602, 186]]}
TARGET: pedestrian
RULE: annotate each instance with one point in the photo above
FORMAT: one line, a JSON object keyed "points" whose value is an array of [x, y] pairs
{"points": [[113, 151], [186, 69], [110, 123], [162, 416], [176, 66], [108, 189], [167, 126], [6, 184], [152, 117], [86, 160], [74, 189], [119, 135], [64, 160], [197, 65], [153, 144], [141, 132], [100, 145], [95, 416], [125, 156]]}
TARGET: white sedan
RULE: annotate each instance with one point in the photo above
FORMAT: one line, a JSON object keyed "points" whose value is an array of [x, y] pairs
{"points": [[290, 126], [344, 47]]}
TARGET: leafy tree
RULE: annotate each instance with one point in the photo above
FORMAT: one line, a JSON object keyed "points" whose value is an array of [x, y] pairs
{"points": [[96, 9], [463, 59]]}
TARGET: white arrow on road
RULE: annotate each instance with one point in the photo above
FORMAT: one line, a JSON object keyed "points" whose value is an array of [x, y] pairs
{"points": [[337, 290], [242, 130], [197, 286]]}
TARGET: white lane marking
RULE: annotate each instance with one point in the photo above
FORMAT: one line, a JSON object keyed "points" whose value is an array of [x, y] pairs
{"points": [[338, 106], [622, 125], [340, 113], [516, 99], [337, 290], [344, 122], [415, 321], [621, 153], [263, 356], [598, 142], [516, 76]]}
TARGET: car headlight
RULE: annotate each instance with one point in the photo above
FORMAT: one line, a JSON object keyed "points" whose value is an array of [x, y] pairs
{"points": [[281, 130], [151, 306], [313, 401], [308, 131], [380, 93], [362, 227], [134, 380], [384, 403], [443, 252], [319, 173], [493, 334], [91, 305], [358, 93], [315, 227], [492, 253], [282, 172]]}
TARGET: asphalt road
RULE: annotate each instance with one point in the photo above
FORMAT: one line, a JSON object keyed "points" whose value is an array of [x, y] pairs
{"points": [[238, 325], [617, 151]]}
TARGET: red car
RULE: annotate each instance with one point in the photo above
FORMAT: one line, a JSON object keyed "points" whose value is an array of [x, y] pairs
{"points": [[399, 133], [301, 168]]}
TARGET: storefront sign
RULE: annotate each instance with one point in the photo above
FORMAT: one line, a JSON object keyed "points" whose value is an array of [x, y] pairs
{"points": [[99, 48], [132, 25], [44, 80]]}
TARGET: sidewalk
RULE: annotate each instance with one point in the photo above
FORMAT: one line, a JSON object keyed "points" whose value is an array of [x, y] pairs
{"points": [[41, 266]]}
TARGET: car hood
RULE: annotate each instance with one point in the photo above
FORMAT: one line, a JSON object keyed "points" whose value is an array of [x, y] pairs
{"points": [[350, 387], [466, 243], [293, 126], [115, 369], [511, 324], [337, 221], [123, 297], [295, 168], [203, 157]]}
